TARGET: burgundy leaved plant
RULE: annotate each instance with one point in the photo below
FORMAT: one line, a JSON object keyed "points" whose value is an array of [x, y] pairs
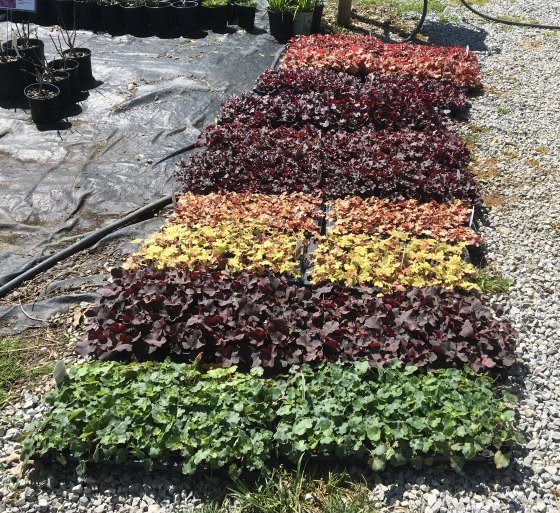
{"points": [[398, 165], [249, 320]]}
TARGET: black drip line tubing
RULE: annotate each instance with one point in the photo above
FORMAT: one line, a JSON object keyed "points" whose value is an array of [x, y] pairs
{"points": [[420, 24]]}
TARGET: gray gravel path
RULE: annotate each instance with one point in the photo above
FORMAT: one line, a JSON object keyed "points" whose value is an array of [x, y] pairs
{"points": [[517, 127]]}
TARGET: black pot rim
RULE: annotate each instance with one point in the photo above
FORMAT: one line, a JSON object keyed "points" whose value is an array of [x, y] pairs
{"points": [[45, 85], [68, 61], [85, 50]]}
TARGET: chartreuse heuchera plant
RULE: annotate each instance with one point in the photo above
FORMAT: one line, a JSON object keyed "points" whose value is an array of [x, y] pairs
{"points": [[397, 261], [222, 419], [235, 246]]}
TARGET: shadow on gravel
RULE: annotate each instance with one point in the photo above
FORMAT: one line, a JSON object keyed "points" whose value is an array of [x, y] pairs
{"points": [[453, 35]]}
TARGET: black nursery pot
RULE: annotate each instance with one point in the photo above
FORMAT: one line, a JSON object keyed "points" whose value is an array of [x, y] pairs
{"points": [[317, 15], [111, 19], [45, 110], [71, 66], [62, 81], [160, 19], [217, 17], [34, 51], [63, 13], [12, 76], [87, 15], [246, 17], [83, 57], [135, 20], [231, 12], [187, 16], [281, 25]]}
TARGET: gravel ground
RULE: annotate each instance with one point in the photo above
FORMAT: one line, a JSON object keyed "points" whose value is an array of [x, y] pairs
{"points": [[516, 125]]}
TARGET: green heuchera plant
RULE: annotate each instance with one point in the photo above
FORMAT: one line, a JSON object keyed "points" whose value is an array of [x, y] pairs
{"points": [[224, 419]]}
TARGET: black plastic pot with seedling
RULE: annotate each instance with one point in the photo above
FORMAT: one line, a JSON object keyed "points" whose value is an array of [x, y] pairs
{"points": [[246, 11], [281, 18], [43, 96], [187, 17], [217, 14], [12, 74], [135, 17], [30, 49], [159, 16], [111, 17]]}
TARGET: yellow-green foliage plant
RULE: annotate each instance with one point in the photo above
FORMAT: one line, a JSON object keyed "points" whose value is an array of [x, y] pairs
{"points": [[227, 246], [391, 263]]}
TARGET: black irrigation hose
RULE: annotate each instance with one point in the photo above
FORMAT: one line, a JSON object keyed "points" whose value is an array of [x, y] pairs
{"points": [[86, 242], [508, 22], [420, 24]]}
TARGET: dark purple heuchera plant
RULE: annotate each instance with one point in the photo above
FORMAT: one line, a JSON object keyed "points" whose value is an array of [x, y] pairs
{"points": [[439, 94], [398, 165], [250, 320]]}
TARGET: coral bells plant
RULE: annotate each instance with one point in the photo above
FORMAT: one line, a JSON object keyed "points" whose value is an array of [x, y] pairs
{"points": [[284, 213], [378, 217], [398, 165], [361, 55], [392, 263], [439, 94], [248, 320], [265, 161], [232, 246], [381, 105]]}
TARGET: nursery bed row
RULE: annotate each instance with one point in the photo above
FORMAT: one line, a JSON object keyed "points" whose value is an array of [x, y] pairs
{"points": [[248, 320], [379, 103], [297, 212], [222, 419], [397, 165], [361, 55], [387, 263], [440, 95]]}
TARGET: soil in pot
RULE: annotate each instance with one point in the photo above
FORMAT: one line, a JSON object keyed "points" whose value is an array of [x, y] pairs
{"points": [[159, 14], [187, 16], [135, 18], [217, 17], [83, 57], [71, 66], [281, 25], [246, 16], [61, 79], [12, 75], [302, 23], [111, 18], [43, 103], [31, 49]]}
